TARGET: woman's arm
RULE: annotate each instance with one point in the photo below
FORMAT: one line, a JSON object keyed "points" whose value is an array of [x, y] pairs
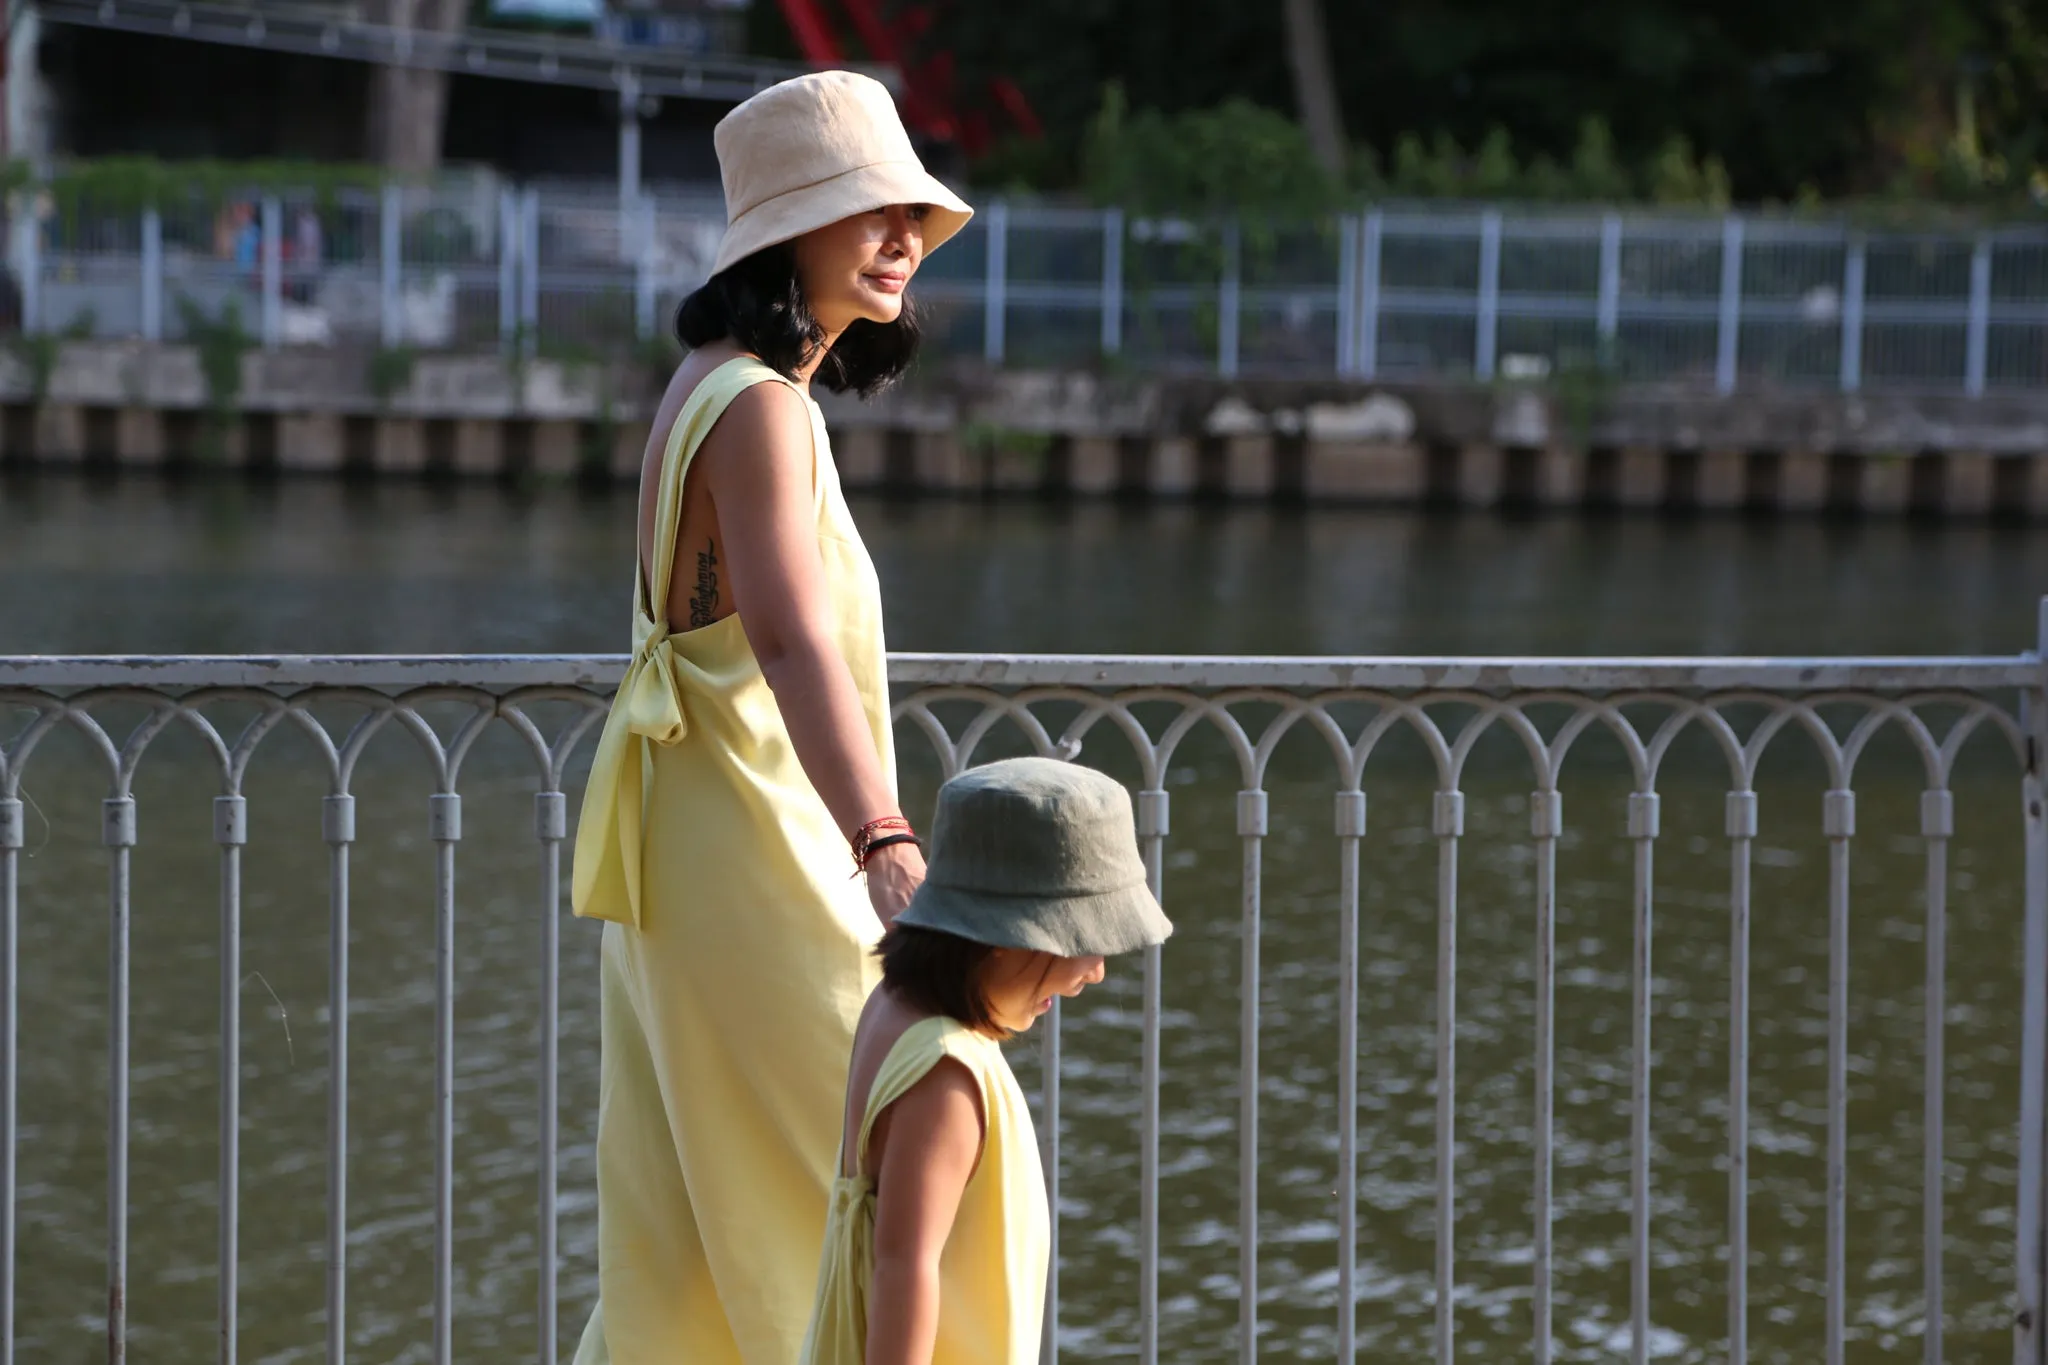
{"points": [[933, 1142], [759, 467]]}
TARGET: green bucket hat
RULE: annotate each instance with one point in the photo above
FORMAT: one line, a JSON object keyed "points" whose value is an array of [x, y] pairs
{"points": [[1037, 854]]}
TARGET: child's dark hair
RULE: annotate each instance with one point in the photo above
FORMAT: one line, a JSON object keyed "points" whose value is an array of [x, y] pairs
{"points": [[938, 973], [758, 302]]}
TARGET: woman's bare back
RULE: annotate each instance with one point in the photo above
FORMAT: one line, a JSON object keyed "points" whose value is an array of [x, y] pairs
{"points": [[697, 595]]}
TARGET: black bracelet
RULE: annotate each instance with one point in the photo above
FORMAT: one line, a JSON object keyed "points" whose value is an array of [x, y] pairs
{"points": [[884, 842]]}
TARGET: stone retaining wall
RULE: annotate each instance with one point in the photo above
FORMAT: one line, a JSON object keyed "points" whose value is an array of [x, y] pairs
{"points": [[118, 405]]}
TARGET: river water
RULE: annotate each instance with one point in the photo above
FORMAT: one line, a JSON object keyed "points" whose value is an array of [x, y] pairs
{"points": [[149, 567]]}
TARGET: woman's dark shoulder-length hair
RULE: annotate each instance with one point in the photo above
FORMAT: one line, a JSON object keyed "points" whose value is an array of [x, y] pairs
{"points": [[759, 304], [938, 973]]}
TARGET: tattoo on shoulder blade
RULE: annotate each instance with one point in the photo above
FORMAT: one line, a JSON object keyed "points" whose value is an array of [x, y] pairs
{"points": [[704, 602]]}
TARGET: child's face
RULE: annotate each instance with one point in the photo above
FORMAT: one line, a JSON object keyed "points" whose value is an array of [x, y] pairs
{"points": [[1019, 986]]}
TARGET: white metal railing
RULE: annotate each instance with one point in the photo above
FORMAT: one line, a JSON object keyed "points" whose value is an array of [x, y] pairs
{"points": [[1719, 302], [1152, 705]]}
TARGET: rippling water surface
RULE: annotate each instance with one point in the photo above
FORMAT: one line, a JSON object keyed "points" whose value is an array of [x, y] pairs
{"points": [[142, 567]]}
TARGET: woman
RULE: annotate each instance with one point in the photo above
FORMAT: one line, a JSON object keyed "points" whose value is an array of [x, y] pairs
{"points": [[746, 767]]}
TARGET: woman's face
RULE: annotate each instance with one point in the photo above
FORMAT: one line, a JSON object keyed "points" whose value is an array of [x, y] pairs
{"points": [[1019, 985], [859, 267]]}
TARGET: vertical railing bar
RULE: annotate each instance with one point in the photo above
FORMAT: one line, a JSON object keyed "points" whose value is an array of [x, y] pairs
{"points": [[2030, 1249], [1350, 823], [529, 271], [1230, 300], [338, 827], [1049, 1158], [1546, 823], [10, 918], [643, 267], [1607, 322], [1977, 334], [31, 229], [551, 821], [1839, 825], [1347, 295], [1251, 827], [1366, 352], [445, 828], [1112, 281], [1937, 824], [510, 237], [390, 244], [1486, 311], [271, 247], [1154, 823], [118, 833], [1854, 266], [230, 831], [995, 282], [1643, 824], [1741, 825], [1728, 340], [1449, 826], [152, 274]]}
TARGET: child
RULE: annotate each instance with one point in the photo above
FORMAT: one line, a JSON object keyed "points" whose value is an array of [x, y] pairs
{"points": [[936, 1243]]}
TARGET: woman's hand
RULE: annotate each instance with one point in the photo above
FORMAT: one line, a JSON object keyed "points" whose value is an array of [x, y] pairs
{"points": [[894, 872]]}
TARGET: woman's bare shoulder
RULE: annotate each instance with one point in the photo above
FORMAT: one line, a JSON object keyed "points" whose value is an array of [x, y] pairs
{"points": [[766, 429]]}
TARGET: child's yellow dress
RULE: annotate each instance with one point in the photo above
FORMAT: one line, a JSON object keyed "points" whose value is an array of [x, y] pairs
{"points": [[992, 1272]]}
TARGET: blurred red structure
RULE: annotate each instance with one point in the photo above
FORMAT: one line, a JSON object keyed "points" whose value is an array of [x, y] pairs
{"points": [[932, 105]]}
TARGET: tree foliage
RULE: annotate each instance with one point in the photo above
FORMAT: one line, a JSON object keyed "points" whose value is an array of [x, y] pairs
{"points": [[1700, 100]]}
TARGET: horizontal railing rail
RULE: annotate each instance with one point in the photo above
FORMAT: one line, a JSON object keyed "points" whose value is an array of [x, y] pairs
{"points": [[1142, 711]]}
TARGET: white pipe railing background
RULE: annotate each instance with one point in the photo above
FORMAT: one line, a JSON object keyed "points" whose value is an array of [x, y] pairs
{"points": [[1146, 710], [1724, 302]]}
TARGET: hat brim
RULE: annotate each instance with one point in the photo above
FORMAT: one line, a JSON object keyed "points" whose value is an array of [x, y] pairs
{"points": [[1103, 923], [790, 215]]}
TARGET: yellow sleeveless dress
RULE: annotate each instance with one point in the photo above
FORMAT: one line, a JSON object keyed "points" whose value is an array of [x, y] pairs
{"points": [[736, 960], [992, 1272]]}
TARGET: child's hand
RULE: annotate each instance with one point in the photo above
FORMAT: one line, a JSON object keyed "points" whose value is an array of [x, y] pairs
{"points": [[893, 873]]}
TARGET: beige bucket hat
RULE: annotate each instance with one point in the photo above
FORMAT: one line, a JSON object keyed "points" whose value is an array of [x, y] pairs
{"points": [[1037, 854], [814, 150]]}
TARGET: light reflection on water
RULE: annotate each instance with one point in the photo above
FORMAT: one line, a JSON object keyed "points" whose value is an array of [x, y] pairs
{"points": [[139, 567]]}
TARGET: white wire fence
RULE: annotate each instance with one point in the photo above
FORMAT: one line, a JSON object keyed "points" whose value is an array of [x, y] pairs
{"points": [[1721, 302]]}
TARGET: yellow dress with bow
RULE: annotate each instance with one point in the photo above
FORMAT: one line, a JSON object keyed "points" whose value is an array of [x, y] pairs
{"points": [[735, 961]]}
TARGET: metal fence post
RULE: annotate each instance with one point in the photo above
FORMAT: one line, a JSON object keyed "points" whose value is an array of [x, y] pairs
{"points": [[529, 272], [1228, 301], [30, 252], [1486, 341], [509, 238], [1112, 281], [2030, 1255], [995, 283], [1729, 329], [643, 268], [388, 247], [1366, 350], [152, 274], [273, 273], [1853, 263], [1347, 295], [1608, 323], [1977, 345]]}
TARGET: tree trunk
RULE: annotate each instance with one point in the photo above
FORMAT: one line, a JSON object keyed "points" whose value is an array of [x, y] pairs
{"points": [[1315, 90], [409, 104]]}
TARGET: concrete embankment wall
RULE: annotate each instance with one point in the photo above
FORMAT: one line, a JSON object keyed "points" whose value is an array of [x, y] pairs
{"points": [[118, 405]]}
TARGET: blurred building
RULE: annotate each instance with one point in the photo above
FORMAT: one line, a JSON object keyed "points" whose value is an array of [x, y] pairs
{"points": [[239, 79]]}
